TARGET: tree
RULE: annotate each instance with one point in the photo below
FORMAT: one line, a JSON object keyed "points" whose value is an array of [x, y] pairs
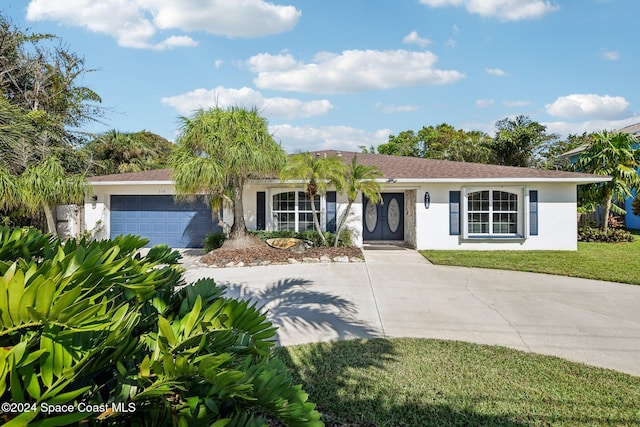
{"points": [[120, 152], [612, 154], [359, 178], [406, 143], [220, 150], [318, 173], [519, 141]]}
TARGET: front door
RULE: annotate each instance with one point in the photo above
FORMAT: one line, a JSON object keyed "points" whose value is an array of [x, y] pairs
{"points": [[384, 221]]}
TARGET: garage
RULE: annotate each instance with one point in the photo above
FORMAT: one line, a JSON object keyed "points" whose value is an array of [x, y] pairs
{"points": [[162, 220]]}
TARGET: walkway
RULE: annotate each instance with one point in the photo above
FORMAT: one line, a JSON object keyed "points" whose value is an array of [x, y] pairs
{"points": [[397, 293]]}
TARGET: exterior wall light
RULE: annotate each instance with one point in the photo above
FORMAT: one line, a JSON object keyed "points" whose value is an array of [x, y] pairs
{"points": [[427, 200]]}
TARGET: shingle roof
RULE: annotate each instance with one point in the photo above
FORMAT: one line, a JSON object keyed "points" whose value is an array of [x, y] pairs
{"points": [[399, 168]]}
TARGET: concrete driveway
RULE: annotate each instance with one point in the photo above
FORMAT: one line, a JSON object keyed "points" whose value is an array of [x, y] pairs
{"points": [[397, 293]]}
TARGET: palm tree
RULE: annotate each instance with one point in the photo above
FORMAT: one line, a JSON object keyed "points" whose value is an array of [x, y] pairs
{"points": [[44, 185], [218, 151], [612, 154], [359, 179], [318, 173]]}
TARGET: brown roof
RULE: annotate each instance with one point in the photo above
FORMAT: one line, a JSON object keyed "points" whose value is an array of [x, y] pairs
{"points": [[401, 168]]}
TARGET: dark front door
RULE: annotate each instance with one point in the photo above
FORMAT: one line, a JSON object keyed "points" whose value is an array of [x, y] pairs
{"points": [[384, 221]]}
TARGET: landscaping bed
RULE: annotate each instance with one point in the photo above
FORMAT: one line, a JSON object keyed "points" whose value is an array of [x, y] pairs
{"points": [[265, 255]]}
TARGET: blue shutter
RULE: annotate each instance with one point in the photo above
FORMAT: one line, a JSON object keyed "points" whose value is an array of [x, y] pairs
{"points": [[331, 211], [454, 213], [533, 212], [261, 210]]}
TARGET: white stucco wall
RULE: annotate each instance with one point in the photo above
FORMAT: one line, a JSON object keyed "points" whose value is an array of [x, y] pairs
{"points": [[557, 227]]}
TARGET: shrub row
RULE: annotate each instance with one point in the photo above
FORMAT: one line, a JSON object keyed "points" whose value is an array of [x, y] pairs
{"points": [[215, 240], [613, 235]]}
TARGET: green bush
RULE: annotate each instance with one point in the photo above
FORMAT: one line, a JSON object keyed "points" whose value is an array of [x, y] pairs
{"points": [[613, 235], [214, 241], [100, 327]]}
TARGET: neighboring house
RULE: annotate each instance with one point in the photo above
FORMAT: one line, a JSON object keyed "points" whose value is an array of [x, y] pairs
{"points": [[428, 204], [630, 220]]}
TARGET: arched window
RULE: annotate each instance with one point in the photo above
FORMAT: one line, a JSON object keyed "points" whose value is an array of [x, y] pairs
{"points": [[492, 213], [292, 211]]}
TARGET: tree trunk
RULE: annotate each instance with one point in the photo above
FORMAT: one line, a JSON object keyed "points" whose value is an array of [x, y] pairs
{"points": [[343, 221], [51, 222], [607, 210], [239, 237], [316, 222]]}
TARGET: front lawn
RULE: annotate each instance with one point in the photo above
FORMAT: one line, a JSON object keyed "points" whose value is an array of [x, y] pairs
{"points": [[615, 262], [416, 382]]}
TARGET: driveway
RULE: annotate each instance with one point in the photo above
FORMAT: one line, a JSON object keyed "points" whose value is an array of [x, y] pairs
{"points": [[397, 293]]}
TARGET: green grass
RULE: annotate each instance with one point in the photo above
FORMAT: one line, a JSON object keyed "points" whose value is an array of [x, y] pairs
{"points": [[414, 382], [615, 262]]}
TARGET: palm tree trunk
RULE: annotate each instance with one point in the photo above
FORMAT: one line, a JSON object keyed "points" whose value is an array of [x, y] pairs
{"points": [[343, 221], [607, 210], [239, 237], [316, 222]]}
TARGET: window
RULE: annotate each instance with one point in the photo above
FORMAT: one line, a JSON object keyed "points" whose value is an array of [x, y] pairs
{"points": [[292, 211], [492, 213]]}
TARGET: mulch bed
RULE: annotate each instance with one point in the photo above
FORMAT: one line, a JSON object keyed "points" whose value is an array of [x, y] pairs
{"points": [[264, 255]]}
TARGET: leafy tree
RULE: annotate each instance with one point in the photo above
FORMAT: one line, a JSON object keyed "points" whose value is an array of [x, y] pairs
{"points": [[519, 141], [97, 324], [615, 155], [406, 143], [120, 152], [359, 178], [220, 150], [318, 173]]}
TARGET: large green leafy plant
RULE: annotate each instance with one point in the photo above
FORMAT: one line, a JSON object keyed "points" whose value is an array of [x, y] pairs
{"points": [[94, 332]]}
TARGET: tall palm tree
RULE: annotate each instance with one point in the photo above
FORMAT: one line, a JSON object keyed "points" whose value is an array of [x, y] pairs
{"points": [[318, 173], [218, 151], [359, 179], [616, 155]]}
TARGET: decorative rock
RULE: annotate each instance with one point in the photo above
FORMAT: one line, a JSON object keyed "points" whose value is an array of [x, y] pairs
{"points": [[310, 260], [341, 259], [356, 259], [265, 262], [230, 264], [240, 264], [293, 261], [325, 258]]}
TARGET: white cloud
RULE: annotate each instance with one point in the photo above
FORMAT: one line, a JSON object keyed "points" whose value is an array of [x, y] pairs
{"points": [[390, 109], [506, 10], [483, 103], [288, 108], [588, 105], [495, 72], [135, 23], [565, 128], [306, 138], [350, 71], [516, 103], [414, 38], [610, 55], [451, 43]]}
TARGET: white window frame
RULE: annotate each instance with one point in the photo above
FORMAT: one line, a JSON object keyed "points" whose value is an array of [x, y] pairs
{"points": [[522, 215], [297, 211]]}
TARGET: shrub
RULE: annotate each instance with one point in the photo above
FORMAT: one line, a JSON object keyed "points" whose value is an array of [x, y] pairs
{"points": [[96, 323], [635, 205], [214, 241], [613, 235]]}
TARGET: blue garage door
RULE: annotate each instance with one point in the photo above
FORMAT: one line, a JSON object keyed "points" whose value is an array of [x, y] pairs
{"points": [[161, 219]]}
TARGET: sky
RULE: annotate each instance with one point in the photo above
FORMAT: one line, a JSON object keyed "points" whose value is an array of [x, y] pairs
{"points": [[344, 74]]}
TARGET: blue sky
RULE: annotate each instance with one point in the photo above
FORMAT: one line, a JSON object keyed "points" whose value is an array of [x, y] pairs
{"points": [[343, 74]]}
